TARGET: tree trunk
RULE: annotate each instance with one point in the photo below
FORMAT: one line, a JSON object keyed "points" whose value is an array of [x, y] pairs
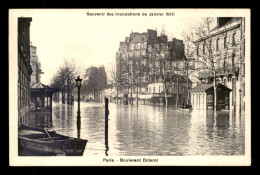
{"points": [[187, 90], [68, 96], [165, 95], [131, 93], [94, 95], [63, 97], [215, 94], [177, 97], [116, 94], [164, 84], [137, 91]]}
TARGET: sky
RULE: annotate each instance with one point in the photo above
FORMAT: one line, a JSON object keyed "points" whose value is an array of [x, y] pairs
{"points": [[93, 40]]}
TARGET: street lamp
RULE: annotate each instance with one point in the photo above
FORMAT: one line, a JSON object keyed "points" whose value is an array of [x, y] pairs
{"points": [[78, 83]]}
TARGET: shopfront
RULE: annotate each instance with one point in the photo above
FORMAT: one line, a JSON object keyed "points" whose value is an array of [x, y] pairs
{"points": [[202, 97]]}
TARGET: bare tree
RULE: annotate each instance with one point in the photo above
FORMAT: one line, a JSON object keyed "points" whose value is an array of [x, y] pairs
{"points": [[64, 79], [209, 59], [167, 60], [115, 79], [135, 68], [189, 65], [161, 61]]}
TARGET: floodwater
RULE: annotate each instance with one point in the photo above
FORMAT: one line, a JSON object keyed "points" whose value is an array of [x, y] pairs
{"points": [[151, 130]]}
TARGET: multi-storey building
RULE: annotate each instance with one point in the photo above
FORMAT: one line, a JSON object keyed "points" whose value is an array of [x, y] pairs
{"points": [[227, 44], [93, 83], [146, 61], [36, 66], [24, 68]]}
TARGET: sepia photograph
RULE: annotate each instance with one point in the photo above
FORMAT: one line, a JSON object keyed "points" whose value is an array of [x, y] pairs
{"points": [[129, 87]]}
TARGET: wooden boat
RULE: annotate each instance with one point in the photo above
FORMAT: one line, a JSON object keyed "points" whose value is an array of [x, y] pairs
{"points": [[43, 142], [184, 109]]}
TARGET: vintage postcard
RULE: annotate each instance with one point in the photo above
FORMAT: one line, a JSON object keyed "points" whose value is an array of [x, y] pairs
{"points": [[129, 87]]}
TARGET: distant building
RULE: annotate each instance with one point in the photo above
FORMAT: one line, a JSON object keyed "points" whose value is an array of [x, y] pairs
{"points": [[24, 68], [93, 82], [109, 92], [36, 66], [140, 65], [228, 46]]}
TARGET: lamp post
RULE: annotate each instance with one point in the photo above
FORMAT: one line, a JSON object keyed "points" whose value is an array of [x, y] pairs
{"points": [[78, 83]]}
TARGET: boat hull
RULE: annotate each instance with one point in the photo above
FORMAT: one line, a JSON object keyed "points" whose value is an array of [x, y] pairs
{"points": [[58, 144], [186, 109], [41, 147]]}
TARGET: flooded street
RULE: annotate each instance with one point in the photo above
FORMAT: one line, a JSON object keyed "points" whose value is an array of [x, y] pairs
{"points": [[151, 130]]}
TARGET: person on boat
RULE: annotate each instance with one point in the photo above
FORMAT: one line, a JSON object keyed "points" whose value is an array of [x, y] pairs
{"points": [[182, 105]]}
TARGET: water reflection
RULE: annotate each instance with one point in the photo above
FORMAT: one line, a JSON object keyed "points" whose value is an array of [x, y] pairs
{"points": [[39, 120], [78, 125], [151, 130], [106, 134]]}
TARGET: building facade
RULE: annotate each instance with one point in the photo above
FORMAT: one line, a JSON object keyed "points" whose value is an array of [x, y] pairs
{"points": [[36, 66], [94, 82], [24, 68], [147, 63], [227, 43]]}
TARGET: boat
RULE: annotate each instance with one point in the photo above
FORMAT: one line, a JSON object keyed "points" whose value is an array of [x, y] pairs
{"points": [[187, 108], [47, 142]]}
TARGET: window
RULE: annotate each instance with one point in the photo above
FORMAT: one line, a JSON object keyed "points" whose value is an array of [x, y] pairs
{"points": [[144, 46], [225, 42], [210, 46], [153, 55], [47, 102], [243, 89], [233, 62], [157, 47], [203, 48], [217, 44], [225, 81], [224, 65], [243, 69], [234, 39], [198, 50], [139, 45], [132, 47]]}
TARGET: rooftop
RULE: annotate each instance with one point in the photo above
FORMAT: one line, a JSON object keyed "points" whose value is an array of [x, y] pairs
{"points": [[39, 86], [201, 87], [139, 38], [204, 87], [224, 24]]}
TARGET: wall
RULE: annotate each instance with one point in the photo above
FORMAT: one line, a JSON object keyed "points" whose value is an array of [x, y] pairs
{"points": [[24, 69], [230, 58], [199, 100]]}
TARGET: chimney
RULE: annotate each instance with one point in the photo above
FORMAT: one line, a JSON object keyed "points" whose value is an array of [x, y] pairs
{"points": [[127, 39]]}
